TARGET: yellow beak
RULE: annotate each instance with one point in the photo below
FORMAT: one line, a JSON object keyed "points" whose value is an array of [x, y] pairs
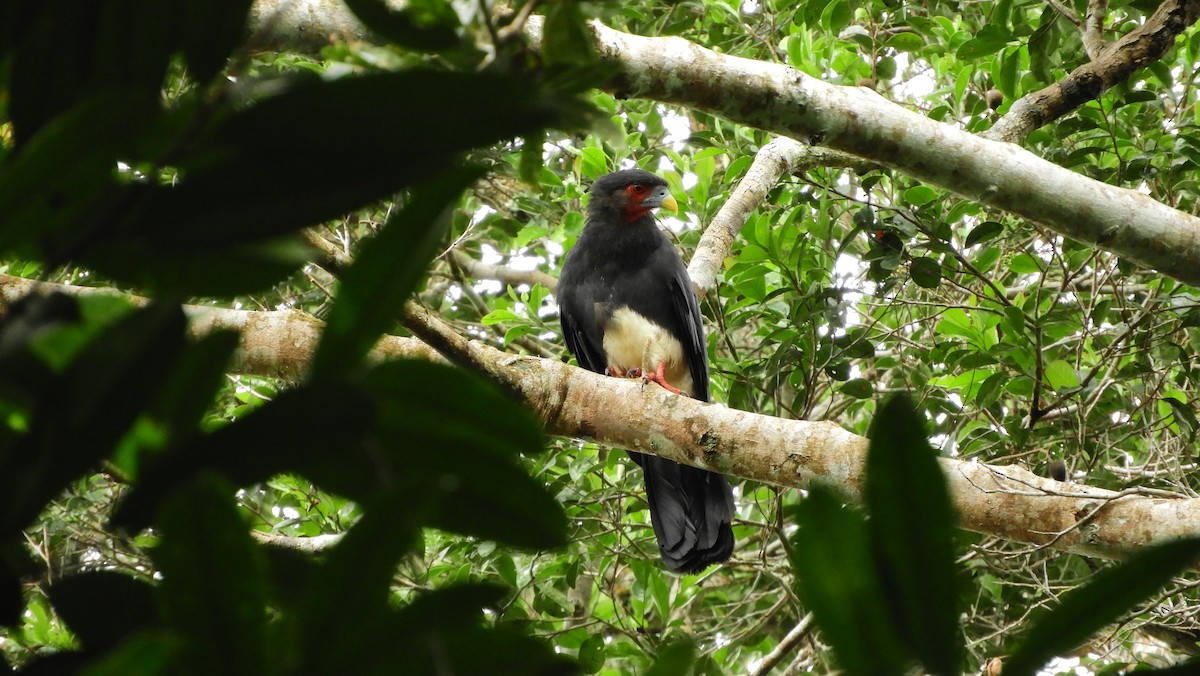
{"points": [[669, 204]]}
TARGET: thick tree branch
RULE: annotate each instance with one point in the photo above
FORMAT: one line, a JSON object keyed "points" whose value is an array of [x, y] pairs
{"points": [[1006, 501], [1110, 65], [783, 100]]}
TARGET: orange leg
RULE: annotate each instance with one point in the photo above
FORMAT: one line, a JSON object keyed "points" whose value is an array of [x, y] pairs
{"points": [[659, 376]]}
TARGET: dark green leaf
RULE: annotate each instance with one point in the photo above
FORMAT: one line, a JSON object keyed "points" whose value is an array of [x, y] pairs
{"points": [[456, 440], [1111, 593], [426, 26], [212, 268], [85, 49], [839, 584], [315, 429], [192, 386], [1184, 416], [23, 375], [912, 535], [374, 289], [568, 40], [591, 654], [674, 659], [214, 579], [926, 272], [52, 192], [352, 585], [81, 417], [209, 33], [261, 172], [145, 654], [983, 232], [989, 40], [102, 608], [859, 388]]}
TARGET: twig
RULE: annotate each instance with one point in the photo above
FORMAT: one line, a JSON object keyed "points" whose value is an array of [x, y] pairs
{"points": [[785, 646]]}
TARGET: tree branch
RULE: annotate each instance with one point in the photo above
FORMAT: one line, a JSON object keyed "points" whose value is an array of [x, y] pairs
{"points": [[780, 157], [785, 101], [1110, 65], [1093, 28], [1006, 501]]}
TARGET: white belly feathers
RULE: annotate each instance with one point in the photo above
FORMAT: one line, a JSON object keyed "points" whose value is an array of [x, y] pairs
{"points": [[633, 342]]}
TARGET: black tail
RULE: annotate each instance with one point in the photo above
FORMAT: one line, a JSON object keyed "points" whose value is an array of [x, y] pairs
{"points": [[692, 512]]}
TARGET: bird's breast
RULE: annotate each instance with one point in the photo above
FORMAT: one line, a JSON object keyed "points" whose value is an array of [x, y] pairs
{"points": [[633, 341]]}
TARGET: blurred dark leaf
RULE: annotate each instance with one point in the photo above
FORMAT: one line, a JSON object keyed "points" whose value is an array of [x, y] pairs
{"points": [[926, 272], [209, 31], [62, 184], [912, 536], [84, 49], [103, 608], [144, 654], [837, 579], [1184, 416], [81, 417], [214, 579], [261, 172], [424, 25], [1085, 610], [452, 435], [568, 40], [385, 270], [674, 659], [23, 374], [315, 425]]}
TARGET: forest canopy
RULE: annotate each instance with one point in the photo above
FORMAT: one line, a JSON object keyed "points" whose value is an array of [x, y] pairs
{"points": [[284, 389]]}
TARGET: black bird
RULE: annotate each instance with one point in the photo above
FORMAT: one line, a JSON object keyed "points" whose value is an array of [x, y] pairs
{"points": [[627, 309]]}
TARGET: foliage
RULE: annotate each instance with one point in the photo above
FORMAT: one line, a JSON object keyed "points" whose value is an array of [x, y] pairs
{"points": [[1020, 346]]}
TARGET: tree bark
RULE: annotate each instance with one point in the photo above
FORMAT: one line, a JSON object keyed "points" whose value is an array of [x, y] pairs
{"points": [[1007, 501]]}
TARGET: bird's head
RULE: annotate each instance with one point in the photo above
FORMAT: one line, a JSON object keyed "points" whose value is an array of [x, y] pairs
{"points": [[629, 195]]}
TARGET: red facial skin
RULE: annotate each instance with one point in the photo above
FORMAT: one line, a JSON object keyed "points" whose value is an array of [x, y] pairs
{"points": [[633, 209]]}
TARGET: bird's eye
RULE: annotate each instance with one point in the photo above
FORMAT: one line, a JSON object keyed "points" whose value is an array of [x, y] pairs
{"points": [[639, 188]]}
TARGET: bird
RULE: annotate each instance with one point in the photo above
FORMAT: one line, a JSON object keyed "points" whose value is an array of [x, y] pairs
{"points": [[627, 309]]}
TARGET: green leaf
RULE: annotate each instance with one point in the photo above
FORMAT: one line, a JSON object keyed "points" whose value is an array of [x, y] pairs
{"points": [[838, 583], [214, 579], [352, 585], [926, 272], [384, 273], [1184, 416], [103, 608], [1085, 610], [674, 658], [905, 486], [989, 40], [859, 388], [984, 232], [591, 654], [919, 195], [905, 42], [1061, 375]]}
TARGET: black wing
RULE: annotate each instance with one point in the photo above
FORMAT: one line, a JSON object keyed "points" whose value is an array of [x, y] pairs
{"points": [[687, 315]]}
